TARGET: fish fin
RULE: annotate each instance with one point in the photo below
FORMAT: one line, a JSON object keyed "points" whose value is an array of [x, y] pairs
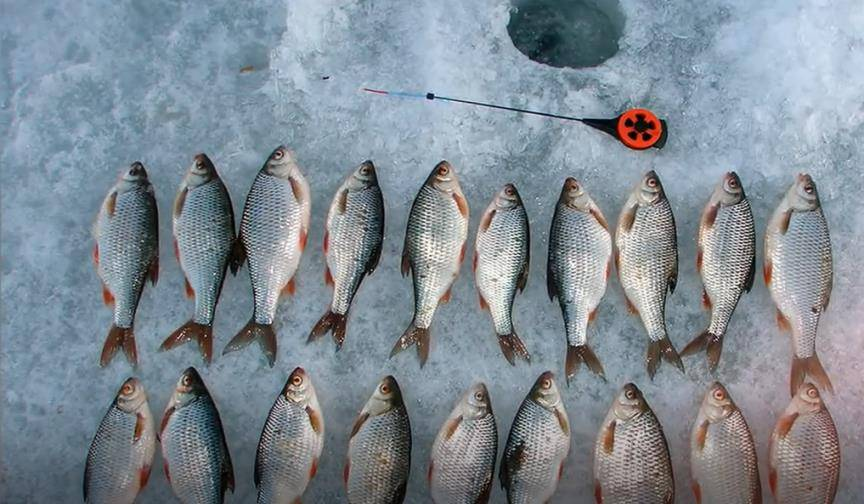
{"points": [[701, 434], [176, 248], [616, 256], [227, 471], [767, 270], [785, 423], [450, 428], [328, 277], [315, 419], [304, 237], [561, 416], [609, 269], [180, 201], [772, 480], [599, 217], [598, 492], [576, 355], [511, 346], [290, 288], [399, 495], [783, 322], [447, 295], [522, 280], [164, 424], [429, 472], [673, 278], [631, 308], [96, 254], [628, 216], [414, 336], [483, 304], [662, 349], [809, 366], [143, 476], [550, 281], [342, 201], [461, 203], [560, 470], [358, 424], [785, 220], [238, 255], [593, 315], [608, 437], [706, 300], [167, 472], [111, 204], [713, 343], [253, 331], [154, 269], [297, 500], [326, 244], [697, 492], [331, 321], [751, 274], [406, 260], [483, 498], [372, 263], [189, 331], [190, 292], [462, 254], [710, 215], [474, 261], [486, 220], [107, 297], [346, 472], [514, 460], [313, 470], [119, 337], [139, 427], [699, 258]]}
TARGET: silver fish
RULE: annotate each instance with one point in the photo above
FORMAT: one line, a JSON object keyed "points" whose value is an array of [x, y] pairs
{"points": [[433, 252], [804, 452], [273, 232], [722, 453], [121, 454], [291, 443], [646, 256], [798, 271], [501, 256], [631, 457], [126, 254], [537, 446], [379, 452], [726, 259], [352, 245], [578, 269], [197, 462], [203, 222], [463, 455]]}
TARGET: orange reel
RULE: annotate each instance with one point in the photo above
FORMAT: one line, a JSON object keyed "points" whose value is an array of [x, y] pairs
{"points": [[637, 129]]}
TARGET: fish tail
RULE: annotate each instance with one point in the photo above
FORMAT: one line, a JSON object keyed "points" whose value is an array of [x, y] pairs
{"points": [[576, 355], [189, 331], [804, 366], [512, 346], [119, 337], [331, 321], [253, 331], [710, 341], [414, 336], [662, 349]]}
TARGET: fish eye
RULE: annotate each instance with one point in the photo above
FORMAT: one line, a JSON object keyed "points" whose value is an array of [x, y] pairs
{"points": [[546, 383], [478, 396], [733, 183], [365, 170], [719, 395], [296, 380], [385, 389], [279, 154], [127, 389], [630, 394], [508, 191], [812, 393], [186, 381], [443, 170], [652, 182]]}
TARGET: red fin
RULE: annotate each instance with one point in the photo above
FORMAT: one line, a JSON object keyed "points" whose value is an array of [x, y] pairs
{"points": [[576, 355], [706, 301], [446, 297], [414, 335], [699, 259], [180, 201], [143, 476], [462, 253], [617, 257], [483, 304], [167, 472], [290, 288], [630, 306], [107, 297], [330, 322], [697, 492], [111, 204], [593, 315], [628, 217], [253, 331], [315, 420], [772, 480], [176, 250], [474, 262], [119, 337], [165, 418], [346, 472], [314, 469], [785, 423], [784, 223], [511, 346], [600, 219], [563, 422], [96, 254], [139, 427], [609, 269], [710, 215], [598, 492], [429, 471], [701, 434], [782, 322], [609, 437], [767, 270], [462, 204], [560, 471], [326, 241], [154, 270], [190, 292], [486, 221], [358, 424], [328, 277], [451, 427], [303, 238], [190, 331]]}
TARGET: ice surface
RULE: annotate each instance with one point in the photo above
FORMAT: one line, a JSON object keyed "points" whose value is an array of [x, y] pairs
{"points": [[765, 88]]}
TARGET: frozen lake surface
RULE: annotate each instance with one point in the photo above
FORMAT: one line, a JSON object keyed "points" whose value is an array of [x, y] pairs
{"points": [[765, 88]]}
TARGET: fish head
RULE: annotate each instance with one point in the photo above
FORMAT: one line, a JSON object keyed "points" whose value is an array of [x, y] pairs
{"points": [[386, 397], [729, 191], [545, 391], [200, 171], [476, 403], [650, 189], [133, 178], [629, 403], [131, 395], [189, 387], [444, 179], [362, 177], [717, 403], [507, 198], [803, 196], [573, 195], [281, 163], [807, 399], [298, 388]]}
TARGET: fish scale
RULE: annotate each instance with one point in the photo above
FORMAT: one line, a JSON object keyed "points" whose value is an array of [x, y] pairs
{"points": [[464, 464], [726, 469], [205, 234], [380, 455]]}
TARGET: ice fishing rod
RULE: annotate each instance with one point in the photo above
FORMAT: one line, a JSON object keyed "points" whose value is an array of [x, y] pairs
{"points": [[636, 128]]}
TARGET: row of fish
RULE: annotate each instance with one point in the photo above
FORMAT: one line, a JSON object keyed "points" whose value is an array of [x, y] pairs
{"points": [[631, 456], [582, 249]]}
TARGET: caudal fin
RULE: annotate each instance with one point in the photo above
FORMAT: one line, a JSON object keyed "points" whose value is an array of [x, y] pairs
{"points": [[576, 355], [512, 346], [809, 366], [119, 337], [192, 331], [330, 322], [414, 336], [662, 349], [253, 331], [712, 342]]}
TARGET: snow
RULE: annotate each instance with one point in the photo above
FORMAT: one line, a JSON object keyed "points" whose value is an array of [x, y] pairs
{"points": [[765, 88]]}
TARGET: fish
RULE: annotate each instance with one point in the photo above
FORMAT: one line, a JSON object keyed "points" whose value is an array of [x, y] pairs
{"points": [[203, 221], [646, 257], [798, 270], [722, 452], [804, 451], [462, 463], [631, 457], [726, 260], [352, 245], [578, 269], [501, 257], [379, 450], [434, 250], [291, 442], [126, 255], [537, 446], [195, 454], [121, 454], [273, 233]]}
